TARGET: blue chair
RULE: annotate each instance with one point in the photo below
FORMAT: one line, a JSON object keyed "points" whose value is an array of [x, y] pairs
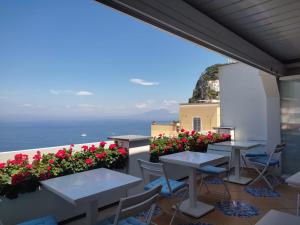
{"points": [[169, 187], [256, 152], [47, 220], [217, 172], [262, 164], [131, 206]]}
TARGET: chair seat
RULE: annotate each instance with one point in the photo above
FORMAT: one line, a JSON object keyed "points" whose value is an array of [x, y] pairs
{"points": [[264, 160], [128, 221], [212, 169], [175, 185], [48, 220], [255, 154]]}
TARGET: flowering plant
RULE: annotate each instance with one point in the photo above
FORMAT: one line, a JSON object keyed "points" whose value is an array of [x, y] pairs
{"points": [[185, 140], [20, 176]]}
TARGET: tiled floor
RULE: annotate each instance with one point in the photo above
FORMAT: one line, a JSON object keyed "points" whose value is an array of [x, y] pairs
{"points": [[286, 203]]}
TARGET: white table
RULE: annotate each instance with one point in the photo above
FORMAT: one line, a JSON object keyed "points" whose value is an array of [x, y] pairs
{"points": [[193, 161], [89, 187], [274, 217], [237, 146], [294, 180]]}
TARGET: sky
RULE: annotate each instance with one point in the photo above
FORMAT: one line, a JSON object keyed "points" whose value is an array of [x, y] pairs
{"points": [[64, 59]]}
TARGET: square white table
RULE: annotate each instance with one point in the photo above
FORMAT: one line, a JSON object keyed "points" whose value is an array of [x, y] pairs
{"points": [[294, 181], [237, 146], [193, 161], [274, 217], [89, 187]]}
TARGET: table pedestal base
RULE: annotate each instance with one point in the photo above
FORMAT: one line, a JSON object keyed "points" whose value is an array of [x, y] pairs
{"points": [[238, 180], [200, 210]]}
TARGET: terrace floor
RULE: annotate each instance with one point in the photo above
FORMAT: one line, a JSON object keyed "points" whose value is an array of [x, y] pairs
{"points": [[286, 202]]}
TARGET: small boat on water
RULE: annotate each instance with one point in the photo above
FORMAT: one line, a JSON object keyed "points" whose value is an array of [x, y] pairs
{"points": [[83, 135]]}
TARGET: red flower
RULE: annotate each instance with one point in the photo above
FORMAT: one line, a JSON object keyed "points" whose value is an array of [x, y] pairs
{"points": [[92, 148], [2, 165], [19, 159], [112, 146], [85, 148], [51, 161], [122, 151], [102, 144], [101, 155], [48, 168], [152, 146], [17, 178], [184, 140], [182, 130], [89, 161], [61, 154], [37, 156], [72, 145], [160, 135], [29, 166], [187, 132], [193, 132]]}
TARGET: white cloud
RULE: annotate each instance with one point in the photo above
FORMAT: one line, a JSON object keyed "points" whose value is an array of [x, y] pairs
{"points": [[84, 93], [142, 105], [143, 82], [26, 105], [58, 92], [170, 102]]}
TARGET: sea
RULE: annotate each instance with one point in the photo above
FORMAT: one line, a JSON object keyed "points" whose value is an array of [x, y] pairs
{"points": [[39, 134]]}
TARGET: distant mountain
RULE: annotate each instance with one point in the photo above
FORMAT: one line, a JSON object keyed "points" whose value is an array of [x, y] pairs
{"points": [[157, 115], [207, 86]]}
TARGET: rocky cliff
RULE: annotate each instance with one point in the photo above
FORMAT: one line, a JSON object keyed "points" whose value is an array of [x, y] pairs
{"points": [[204, 90]]}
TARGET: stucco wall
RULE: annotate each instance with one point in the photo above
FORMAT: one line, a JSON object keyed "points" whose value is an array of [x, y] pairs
{"points": [[166, 129], [250, 102], [209, 114]]}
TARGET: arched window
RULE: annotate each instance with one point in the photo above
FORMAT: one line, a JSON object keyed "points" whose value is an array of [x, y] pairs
{"points": [[197, 123]]}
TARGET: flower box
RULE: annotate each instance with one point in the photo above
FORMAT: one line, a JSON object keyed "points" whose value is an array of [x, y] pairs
{"points": [[21, 174], [185, 141]]}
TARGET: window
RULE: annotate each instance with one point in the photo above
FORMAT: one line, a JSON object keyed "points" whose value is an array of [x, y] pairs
{"points": [[197, 123]]}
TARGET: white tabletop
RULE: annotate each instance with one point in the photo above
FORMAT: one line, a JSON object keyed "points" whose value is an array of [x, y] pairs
{"points": [[274, 217], [193, 159], [294, 180], [89, 185], [130, 137], [239, 144]]}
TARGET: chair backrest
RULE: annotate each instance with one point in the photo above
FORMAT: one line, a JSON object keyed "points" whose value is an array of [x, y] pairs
{"points": [[132, 205], [278, 149], [155, 169]]}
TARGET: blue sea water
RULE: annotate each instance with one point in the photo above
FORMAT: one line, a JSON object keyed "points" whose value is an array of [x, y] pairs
{"points": [[27, 135]]}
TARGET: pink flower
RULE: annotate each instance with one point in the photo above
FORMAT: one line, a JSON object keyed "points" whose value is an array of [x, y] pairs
{"points": [[182, 130], [100, 155], [89, 161], [102, 144], [2, 165], [72, 145], [112, 146], [51, 161], [48, 168], [122, 151]]}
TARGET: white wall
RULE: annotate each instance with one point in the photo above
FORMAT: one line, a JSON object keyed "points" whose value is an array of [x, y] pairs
{"points": [[250, 103]]}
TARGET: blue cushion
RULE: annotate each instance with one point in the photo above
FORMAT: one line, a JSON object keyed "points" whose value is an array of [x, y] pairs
{"points": [[127, 221], [255, 153], [212, 169], [263, 161], [175, 185], [48, 220]]}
